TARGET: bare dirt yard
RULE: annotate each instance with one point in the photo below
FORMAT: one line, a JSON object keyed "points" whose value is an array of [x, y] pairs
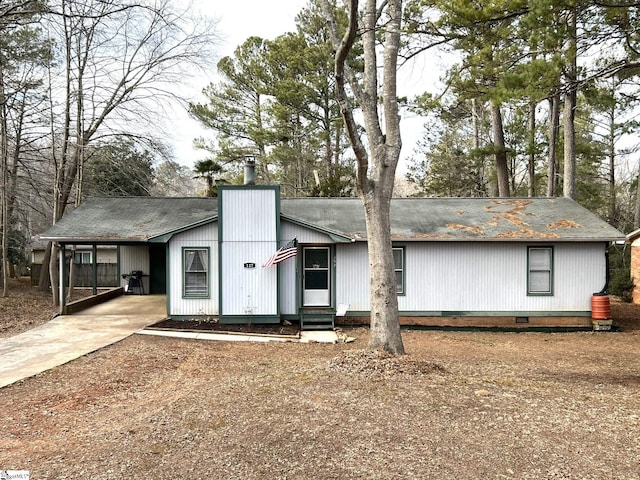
{"points": [[460, 405]]}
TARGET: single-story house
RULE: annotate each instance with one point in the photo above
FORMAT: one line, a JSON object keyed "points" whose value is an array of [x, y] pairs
{"points": [[489, 262]]}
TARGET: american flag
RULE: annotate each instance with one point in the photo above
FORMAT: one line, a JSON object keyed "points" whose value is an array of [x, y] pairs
{"points": [[287, 251]]}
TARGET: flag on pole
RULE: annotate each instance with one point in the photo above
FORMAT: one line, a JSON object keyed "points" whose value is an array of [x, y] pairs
{"points": [[287, 251]]}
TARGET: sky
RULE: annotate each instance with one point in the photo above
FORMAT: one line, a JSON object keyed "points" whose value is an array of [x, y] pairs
{"points": [[239, 19]]}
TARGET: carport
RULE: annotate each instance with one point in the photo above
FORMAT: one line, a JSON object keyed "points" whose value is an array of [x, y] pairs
{"points": [[140, 232]]}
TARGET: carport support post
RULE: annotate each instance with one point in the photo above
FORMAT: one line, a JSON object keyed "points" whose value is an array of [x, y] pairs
{"points": [[94, 256], [61, 281]]}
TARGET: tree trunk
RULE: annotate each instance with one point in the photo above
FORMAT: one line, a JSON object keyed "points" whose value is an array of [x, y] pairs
{"points": [[374, 180], [481, 172], [569, 179], [636, 216], [5, 232], [72, 275], [532, 150], [210, 190], [570, 100], [475, 124], [385, 327], [44, 281], [54, 275], [554, 126], [502, 167], [612, 165], [4, 157]]}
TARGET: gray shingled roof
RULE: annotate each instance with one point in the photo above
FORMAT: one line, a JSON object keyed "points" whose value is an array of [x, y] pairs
{"points": [[130, 219], [545, 219], [515, 219]]}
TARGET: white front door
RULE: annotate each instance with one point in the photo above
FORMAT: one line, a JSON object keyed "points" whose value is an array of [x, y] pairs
{"points": [[316, 277]]}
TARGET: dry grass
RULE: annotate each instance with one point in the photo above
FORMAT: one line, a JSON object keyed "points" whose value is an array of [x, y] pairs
{"points": [[469, 405]]}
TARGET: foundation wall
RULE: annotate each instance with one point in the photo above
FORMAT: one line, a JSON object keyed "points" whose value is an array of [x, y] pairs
{"points": [[483, 322]]}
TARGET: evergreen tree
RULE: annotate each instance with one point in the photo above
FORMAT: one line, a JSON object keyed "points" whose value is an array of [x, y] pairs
{"points": [[118, 168], [275, 101], [236, 108]]}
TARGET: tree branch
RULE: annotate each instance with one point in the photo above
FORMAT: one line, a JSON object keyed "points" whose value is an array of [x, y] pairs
{"points": [[343, 47]]}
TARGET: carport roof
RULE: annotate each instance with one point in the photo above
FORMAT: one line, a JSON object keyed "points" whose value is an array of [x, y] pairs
{"points": [[130, 219], [143, 219]]}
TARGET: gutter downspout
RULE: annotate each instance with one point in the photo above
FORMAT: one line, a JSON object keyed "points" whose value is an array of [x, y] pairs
{"points": [[605, 289]]}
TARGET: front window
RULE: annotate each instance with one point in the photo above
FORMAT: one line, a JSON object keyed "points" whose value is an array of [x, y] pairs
{"points": [[196, 272], [540, 271], [398, 262]]}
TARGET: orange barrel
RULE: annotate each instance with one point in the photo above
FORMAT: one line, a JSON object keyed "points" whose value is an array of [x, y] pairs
{"points": [[600, 306]]}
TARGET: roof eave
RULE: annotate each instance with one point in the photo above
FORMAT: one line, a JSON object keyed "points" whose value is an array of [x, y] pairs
{"points": [[94, 240], [337, 237], [632, 236], [506, 239], [165, 237]]}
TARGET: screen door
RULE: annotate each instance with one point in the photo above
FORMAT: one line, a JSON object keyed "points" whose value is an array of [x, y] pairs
{"points": [[316, 277]]}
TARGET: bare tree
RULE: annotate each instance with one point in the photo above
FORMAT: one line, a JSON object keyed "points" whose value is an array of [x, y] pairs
{"points": [[377, 158], [121, 60]]}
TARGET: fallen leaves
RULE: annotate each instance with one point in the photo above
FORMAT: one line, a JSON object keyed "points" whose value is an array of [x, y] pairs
{"points": [[378, 362]]}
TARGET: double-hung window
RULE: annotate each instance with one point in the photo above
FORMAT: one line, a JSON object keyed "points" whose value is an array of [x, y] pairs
{"points": [[398, 262], [195, 266], [540, 271]]}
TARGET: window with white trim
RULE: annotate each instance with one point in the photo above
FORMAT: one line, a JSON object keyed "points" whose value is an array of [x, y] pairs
{"points": [[196, 272], [398, 263], [540, 271], [82, 258]]}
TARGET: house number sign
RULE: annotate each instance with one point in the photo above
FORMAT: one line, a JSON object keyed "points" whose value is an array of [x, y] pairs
{"points": [[249, 265]]}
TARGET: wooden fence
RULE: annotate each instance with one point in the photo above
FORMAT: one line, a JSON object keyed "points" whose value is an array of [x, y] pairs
{"points": [[107, 274]]}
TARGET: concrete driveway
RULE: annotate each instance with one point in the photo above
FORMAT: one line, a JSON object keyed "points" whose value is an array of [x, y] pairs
{"points": [[71, 336]]}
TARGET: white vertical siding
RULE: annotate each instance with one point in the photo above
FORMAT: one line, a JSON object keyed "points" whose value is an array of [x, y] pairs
{"points": [[352, 276], [304, 235], [493, 277], [248, 291], [476, 277], [249, 233], [289, 286], [135, 258], [205, 236], [248, 215], [580, 271]]}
